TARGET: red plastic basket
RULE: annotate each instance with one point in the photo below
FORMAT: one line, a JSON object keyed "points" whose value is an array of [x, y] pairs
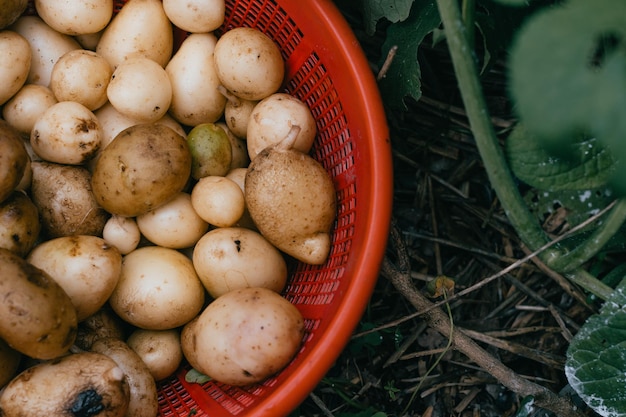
{"points": [[326, 68]]}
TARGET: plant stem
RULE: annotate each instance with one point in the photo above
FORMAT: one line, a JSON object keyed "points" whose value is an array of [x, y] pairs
{"points": [[500, 177], [469, 18], [491, 153], [569, 261]]}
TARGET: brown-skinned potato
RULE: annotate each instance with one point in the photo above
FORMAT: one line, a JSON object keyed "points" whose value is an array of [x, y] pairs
{"points": [[19, 223], [80, 384], [143, 400], [13, 159], [65, 200], [37, 317]]}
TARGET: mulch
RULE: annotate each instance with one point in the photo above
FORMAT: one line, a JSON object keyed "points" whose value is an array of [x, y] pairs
{"points": [[452, 226]]}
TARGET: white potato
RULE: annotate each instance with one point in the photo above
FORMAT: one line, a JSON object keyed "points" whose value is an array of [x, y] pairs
{"points": [[249, 63], [158, 289], [173, 225], [15, 58], [141, 89], [140, 28], [195, 16], [218, 200], [47, 46], [66, 133], [160, 350], [239, 176], [272, 119], [244, 336], [25, 107], [229, 258], [81, 76], [75, 17], [122, 232], [195, 98], [86, 267]]}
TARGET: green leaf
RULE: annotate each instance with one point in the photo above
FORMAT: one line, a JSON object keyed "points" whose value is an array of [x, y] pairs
{"points": [[568, 75], [596, 358], [392, 10], [403, 76], [588, 165], [196, 377]]}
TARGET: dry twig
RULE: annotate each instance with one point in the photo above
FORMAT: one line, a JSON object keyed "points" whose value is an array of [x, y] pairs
{"points": [[400, 277]]}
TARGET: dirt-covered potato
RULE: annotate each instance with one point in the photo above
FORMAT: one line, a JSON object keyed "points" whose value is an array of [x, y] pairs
{"points": [[143, 398], [37, 317], [145, 166], [9, 363], [13, 159], [86, 267], [10, 11], [104, 323], [19, 223], [65, 200], [244, 336], [80, 384], [292, 201]]}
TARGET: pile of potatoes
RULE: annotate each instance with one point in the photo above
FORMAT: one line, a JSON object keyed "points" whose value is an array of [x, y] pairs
{"points": [[151, 197]]}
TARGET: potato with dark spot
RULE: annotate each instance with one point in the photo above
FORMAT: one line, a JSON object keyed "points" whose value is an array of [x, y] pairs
{"points": [[37, 317], [64, 198], [83, 384], [144, 167], [13, 159], [19, 223]]}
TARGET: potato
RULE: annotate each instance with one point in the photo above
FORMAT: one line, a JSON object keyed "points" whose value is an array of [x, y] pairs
{"points": [[47, 46], [144, 167], [65, 200], [173, 225], [195, 16], [211, 151], [25, 107], [9, 363], [230, 258], [81, 76], [74, 385], [103, 324], [195, 98], [66, 133], [37, 317], [160, 350], [158, 289], [238, 175], [237, 113], [248, 63], [11, 10], [122, 232], [19, 223], [141, 89], [86, 267], [239, 151], [292, 201], [13, 159], [140, 28], [218, 200], [75, 17], [244, 336], [15, 58], [272, 119], [143, 398]]}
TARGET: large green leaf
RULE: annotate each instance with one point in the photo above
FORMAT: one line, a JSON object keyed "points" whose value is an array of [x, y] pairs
{"points": [[568, 75], [392, 10], [588, 165], [403, 76], [596, 358]]}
